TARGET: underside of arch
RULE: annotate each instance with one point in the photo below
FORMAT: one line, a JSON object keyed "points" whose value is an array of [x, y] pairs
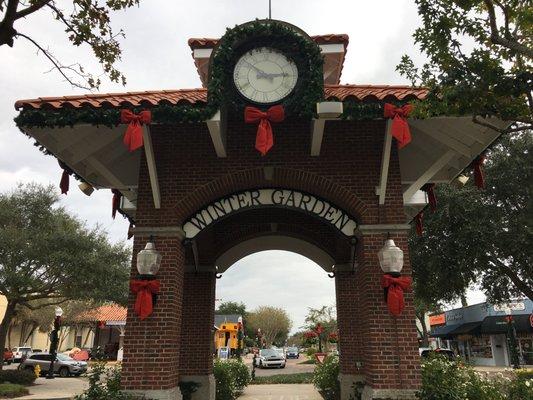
{"points": [[274, 242]]}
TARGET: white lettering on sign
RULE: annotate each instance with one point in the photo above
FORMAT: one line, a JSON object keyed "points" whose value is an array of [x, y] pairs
{"points": [[283, 198], [514, 306]]}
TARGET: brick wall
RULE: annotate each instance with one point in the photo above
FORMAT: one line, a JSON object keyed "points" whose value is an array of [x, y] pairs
{"points": [[346, 174]]}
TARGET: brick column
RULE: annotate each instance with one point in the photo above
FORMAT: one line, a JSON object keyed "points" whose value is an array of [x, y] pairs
{"points": [[390, 359], [152, 346], [196, 358]]}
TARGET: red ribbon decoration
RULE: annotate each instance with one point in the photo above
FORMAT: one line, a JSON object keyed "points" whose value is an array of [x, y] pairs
{"points": [[133, 138], [429, 189], [144, 290], [395, 288], [264, 139], [479, 175], [64, 183], [419, 223], [400, 128], [115, 202]]}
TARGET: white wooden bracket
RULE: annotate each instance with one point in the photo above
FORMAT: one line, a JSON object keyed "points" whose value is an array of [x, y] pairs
{"points": [[427, 175], [217, 129], [152, 168], [381, 190], [326, 110]]}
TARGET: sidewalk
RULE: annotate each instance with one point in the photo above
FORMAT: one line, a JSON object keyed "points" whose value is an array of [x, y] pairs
{"points": [[280, 392], [58, 388]]}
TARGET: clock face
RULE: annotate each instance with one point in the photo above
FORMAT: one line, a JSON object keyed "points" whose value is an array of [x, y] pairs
{"points": [[264, 75]]}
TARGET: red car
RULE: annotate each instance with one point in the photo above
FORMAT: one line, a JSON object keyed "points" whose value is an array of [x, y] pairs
{"points": [[9, 357]]}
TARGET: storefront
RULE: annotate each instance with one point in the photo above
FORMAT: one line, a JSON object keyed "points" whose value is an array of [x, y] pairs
{"points": [[481, 333]]}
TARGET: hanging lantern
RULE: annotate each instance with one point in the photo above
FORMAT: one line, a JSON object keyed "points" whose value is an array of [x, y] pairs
{"points": [[390, 258], [148, 260]]}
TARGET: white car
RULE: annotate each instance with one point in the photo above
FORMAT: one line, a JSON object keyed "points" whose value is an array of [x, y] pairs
{"points": [[270, 358], [20, 352]]}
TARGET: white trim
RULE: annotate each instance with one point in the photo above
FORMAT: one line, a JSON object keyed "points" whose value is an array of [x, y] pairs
{"points": [[217, 130], [317, 133], [385, 161], [152, 167]]}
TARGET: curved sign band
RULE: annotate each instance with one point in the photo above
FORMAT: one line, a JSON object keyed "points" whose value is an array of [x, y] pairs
{"points": [[261, 198]]}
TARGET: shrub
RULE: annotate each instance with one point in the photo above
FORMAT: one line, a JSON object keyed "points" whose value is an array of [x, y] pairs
{"points": [[104, 383], [521, 387], [326, 378], [20, 377], [302, 377], [310, 352], [231, 377], [444, 379], [12, 390]]}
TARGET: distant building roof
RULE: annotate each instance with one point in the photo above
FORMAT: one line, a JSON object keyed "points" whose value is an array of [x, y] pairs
{"points": [[111, 314], [226, 319]]}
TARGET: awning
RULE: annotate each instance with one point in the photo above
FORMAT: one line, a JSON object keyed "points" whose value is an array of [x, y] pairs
{"points": [[443, 330], [470, 328], [498, 324]]}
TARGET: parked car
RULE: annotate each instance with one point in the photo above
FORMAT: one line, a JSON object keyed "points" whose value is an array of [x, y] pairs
{"points": [[269, 358], [292, 352], [425, 352], [19, 353], [63, 365], [9, 357]]}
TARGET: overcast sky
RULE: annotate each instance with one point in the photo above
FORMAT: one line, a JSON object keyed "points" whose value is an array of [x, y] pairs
{"points": [[156, 56]]}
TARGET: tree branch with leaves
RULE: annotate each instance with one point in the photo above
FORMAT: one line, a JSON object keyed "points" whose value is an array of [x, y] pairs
{"points": [[88, 23]]}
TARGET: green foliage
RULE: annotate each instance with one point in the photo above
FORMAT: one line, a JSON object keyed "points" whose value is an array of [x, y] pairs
{"points": [[326, 378], [85, 23], [274, 323], [302, 377], [478, 236], [104, 383], [231, 307], [310, 353], [479, 58], [521, 388], [17, 376], [12, 390], [326, 317], [231, 377], [443, 379]]}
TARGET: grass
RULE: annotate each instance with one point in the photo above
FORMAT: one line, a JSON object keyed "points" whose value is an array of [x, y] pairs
{"points": [[10, 390], [303, 377], [308, 361]]}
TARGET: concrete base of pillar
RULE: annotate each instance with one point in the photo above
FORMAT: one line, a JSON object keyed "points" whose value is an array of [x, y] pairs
{"points": [[349, 384], [388, 394], [163, 394], [206, 390]]}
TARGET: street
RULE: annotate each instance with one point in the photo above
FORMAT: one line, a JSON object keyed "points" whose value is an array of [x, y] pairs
{"points": [[293, 366]]}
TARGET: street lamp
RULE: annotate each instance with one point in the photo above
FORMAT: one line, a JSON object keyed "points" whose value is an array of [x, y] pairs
{"points": [[54, 340], [148, 260], [511, 338]]}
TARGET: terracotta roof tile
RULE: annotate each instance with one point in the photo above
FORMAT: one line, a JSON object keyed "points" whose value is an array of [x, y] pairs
{"points": [[111, 312], [195, 96], [209, 43]]}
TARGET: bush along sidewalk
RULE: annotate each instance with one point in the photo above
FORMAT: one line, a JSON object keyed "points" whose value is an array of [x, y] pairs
{"points": [[104, 383], [302, 377], [444, 379], [10, 390], [231, 377], [20, 377]]}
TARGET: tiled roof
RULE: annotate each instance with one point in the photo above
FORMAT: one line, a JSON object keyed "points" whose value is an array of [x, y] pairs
{"points": [[107, 313], [209, 43], [192, 96]]}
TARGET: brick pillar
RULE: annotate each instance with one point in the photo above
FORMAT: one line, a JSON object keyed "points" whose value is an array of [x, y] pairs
{"points": [[390, 359], [152, 346], [196, 358]]}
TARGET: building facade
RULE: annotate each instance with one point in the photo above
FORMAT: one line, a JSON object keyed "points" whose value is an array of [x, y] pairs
{"points": [[331, 177], [481, 333]]}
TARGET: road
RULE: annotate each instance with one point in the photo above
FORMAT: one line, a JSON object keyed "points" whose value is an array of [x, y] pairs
{"points": [[293, 366]]}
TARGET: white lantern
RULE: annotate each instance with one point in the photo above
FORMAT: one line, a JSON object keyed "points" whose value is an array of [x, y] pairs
{"points": [[390, 257], [59, 311], [148, 260]]}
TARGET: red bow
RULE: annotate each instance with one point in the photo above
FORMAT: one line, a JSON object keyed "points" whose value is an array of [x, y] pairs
{"points": [[115, 202], [400, 128], [264, 139], [144, 290], [64, 183], [429, 189], [133, 138], [479, 176], [419, 223], [396, 287]]}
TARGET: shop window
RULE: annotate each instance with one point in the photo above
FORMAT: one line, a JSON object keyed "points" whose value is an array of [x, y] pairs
{"points": [[480, 346], [78, 341]]}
